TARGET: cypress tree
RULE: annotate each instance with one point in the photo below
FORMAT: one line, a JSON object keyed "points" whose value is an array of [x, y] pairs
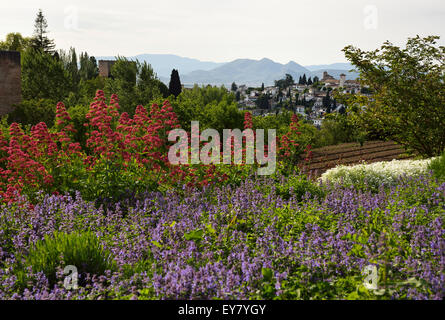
{"points": [[175, 86]]}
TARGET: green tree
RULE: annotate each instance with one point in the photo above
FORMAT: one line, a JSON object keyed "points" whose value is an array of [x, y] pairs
{"points": [[234, 87], [284, 83], [408, 85], [40, 40], [148, 85], [88, 67], [134, 83], [14, 42], [43, 76], [69, 60], [263, 101], [198, 104], [123, 83]]}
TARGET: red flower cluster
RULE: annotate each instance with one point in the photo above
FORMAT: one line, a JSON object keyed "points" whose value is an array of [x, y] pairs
{"points": [[291, 146], [39, 160], [27, 161]]}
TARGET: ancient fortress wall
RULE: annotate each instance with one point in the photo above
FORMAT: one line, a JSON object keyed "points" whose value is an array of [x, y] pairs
{"points": [[10, 81]]}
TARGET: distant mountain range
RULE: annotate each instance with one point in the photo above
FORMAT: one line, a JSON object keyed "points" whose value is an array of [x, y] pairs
{"points": [[241, 71]]}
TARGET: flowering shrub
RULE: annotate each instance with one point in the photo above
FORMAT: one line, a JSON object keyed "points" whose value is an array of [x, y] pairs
{"points": [[242, 243], [376, 174], [292, 146], [122, 155]]}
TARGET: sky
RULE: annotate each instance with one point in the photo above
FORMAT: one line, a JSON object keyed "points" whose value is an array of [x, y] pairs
{"points": [[307, 32]]}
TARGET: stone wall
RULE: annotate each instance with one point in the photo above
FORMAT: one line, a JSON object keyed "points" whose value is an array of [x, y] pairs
{"points": [[10, 81], [105, 68]]}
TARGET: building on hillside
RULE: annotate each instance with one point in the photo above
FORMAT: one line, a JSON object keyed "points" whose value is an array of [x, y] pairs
{"points": [[300, 110], [342, 80], [327, 76]]}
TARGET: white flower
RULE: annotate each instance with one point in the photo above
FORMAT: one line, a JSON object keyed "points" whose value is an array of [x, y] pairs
{"points": [[377, 173]]}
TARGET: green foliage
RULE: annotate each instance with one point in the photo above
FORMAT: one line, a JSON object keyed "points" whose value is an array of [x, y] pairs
{"points": [[213, 107], [135, 84], [285, 83], [279, 122], [82, 250], [438, 167], [43, 76], [408, 101], [33, 111], [263, 101], [88, 67], [298, 186], [14, 42], [338, 128], [69, 60], [87, 89]]}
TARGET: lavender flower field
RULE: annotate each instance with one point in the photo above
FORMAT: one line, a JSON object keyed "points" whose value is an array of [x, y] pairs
{"points": [[253, 241]]}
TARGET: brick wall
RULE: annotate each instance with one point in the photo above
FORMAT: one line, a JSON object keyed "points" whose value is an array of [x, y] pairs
{"points": [[10, 81]]}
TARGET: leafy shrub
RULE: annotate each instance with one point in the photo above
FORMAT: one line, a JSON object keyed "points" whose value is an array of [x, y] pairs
{"points": [[437, 165], [82, 250], [33, 111], [298, 186]]}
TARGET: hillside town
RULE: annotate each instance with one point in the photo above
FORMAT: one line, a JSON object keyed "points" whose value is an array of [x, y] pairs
{"points": [[312, 100]]}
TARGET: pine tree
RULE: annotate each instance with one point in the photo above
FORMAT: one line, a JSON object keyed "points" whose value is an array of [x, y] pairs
{"points": [[234, 87], [262, 87], [303, 80], [309, 81], [39, 40], [175, 86], [300, 80]]}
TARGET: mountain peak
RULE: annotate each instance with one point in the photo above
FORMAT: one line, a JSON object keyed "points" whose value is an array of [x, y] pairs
{"points": [[266, 60]]}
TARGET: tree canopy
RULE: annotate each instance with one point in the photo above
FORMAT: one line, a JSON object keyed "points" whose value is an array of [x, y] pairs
{"points": [[408, 85]]}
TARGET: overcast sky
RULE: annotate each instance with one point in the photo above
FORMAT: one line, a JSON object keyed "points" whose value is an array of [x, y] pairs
{"points": [[308, 32]]}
